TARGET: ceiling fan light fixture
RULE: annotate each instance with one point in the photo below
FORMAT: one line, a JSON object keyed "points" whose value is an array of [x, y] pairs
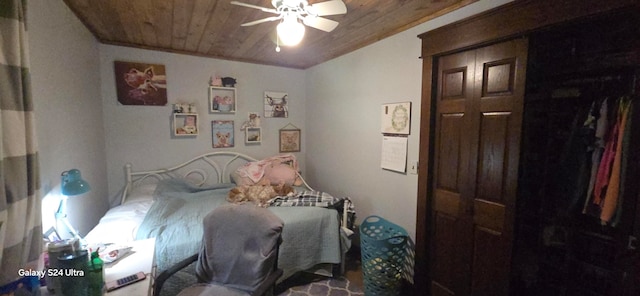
{"points": [[290, 31], [294, 15]]}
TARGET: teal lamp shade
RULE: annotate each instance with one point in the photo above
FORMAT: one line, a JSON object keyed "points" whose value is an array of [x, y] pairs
{"points": [[73, 184]]}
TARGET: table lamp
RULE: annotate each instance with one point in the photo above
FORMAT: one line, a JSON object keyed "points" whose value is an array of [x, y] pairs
{"points": [[72, 184]]}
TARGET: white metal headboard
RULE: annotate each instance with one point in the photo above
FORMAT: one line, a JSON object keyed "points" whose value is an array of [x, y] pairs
{"points": [[212, 164], [199, 169]]}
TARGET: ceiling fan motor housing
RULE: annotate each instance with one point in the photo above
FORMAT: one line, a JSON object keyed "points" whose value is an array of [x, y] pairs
{"points": [[300, 8], [309, 14]]}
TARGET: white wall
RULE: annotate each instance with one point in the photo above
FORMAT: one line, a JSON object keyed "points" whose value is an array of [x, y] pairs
{"points": [[345, 94], [141, 135], [65, 83]]}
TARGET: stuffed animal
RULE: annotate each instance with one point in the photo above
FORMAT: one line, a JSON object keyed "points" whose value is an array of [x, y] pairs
{"points": [[215, 81], [190, 125], [254, 120], [259, 194], [228, 82], [275, 170]]}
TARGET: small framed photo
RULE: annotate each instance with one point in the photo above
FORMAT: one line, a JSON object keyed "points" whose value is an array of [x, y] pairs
{"points": [[185, 124], [253, 135], [222, 99], [222, 133], [289, 140]]}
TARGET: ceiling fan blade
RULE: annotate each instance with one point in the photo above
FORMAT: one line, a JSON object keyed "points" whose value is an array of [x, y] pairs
{"points": [[264, 20], [331, 7], [271, 10], [320, 23]]}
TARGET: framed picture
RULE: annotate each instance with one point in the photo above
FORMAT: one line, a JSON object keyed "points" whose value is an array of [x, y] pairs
{"points": [[275, 104], [222, 99], [185, 124], [140, 83], [253, 135], [396, 118], [289, 140], [222, 133]]}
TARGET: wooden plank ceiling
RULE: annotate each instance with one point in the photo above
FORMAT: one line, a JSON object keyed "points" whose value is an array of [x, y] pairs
{"points": [[212, 28]]}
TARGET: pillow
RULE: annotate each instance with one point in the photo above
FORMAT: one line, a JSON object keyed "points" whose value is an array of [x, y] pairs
{"points": [[282, 173], [274, 174], [239, 180], [276, 170], [141, 192]]}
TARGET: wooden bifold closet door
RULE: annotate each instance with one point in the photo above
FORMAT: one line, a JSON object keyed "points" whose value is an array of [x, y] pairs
{"points": [[479, 103]]}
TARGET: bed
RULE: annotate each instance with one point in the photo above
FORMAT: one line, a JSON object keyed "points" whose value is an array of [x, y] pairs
{"points": [[169, 204]]}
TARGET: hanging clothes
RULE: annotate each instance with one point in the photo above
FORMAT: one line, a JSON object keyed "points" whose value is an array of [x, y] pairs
{"points": [[626, 151], [610, 203], [574, 164], [604, 170], [601, 126]]}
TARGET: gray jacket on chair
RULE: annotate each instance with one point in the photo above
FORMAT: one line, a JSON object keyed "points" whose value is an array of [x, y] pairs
{"points": [[239, 247]]}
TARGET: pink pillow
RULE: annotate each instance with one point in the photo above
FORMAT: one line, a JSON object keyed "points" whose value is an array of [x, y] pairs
{"points": [[281, 169], [246, 181], [239, 180], [282, 174]]}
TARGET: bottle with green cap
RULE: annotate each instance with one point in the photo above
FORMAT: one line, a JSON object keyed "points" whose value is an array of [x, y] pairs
{"points": [[96, 275]]}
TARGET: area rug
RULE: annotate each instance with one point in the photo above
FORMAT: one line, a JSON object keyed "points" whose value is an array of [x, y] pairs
{"points": [[300, 285], [325, 287]]}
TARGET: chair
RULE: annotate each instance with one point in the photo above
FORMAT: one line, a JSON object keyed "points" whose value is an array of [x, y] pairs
{"points": [[239, 253]]}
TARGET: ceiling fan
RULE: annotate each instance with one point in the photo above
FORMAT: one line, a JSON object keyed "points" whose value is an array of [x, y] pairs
{"points": [[291, 12]]}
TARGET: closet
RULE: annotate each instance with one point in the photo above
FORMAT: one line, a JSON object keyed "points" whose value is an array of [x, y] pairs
{"points": [[512, 102], [574, 226]]}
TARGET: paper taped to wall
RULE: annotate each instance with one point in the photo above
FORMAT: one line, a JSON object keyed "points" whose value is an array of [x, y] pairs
{"points": [[394, 153]]}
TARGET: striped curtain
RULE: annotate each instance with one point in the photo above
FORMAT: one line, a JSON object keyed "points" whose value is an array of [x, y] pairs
{"points": [[20, 203]]}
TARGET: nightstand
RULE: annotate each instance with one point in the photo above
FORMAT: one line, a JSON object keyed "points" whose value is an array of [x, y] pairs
{"points": [[142, 258]]}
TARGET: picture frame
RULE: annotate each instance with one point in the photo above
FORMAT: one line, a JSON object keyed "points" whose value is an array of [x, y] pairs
{"points": [[253, 135], [222, 133], [140, 83], [396, 118], [185, 124], [222, 99], [290, 140], [276, 104]]}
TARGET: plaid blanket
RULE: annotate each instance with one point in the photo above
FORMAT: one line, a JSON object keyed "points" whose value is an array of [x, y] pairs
{"points": [[317, 199]]}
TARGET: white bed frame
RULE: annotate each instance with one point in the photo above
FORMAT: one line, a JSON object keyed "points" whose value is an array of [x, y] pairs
{"points": [[212, 167]]}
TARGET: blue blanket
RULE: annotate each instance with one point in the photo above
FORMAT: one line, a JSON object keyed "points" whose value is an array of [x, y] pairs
{"points": [[311, 235]]}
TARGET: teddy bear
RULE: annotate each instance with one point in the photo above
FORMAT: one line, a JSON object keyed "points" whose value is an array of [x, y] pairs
{"points": [[259, 194]]}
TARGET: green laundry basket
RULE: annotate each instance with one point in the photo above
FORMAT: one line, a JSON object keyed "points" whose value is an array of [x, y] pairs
{"points": [[384, 253]]}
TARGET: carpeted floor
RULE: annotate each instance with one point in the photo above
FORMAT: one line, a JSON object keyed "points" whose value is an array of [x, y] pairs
{"points": [[327, 286], [298, 285]]}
